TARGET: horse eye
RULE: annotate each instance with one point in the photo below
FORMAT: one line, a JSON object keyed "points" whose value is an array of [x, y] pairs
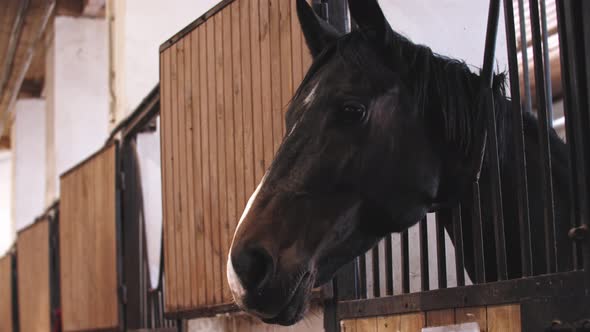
{"points": [[352, 113]]}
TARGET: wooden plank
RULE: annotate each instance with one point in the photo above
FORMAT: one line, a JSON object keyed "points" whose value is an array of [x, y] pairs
{"points": [[241, 169], [6, 310], [93, 192], [205, 63], [266, 82], [197, 185], [296, 48], [190, 167], [65, 244], [503, 318], [221, 147], [440, 317], [176, 218], [348, 326], [257, 97], [212, 73], [367, 324], [412, 322], [275, 63], [248, 155], [388, 324], [474, 314], [228, 139], [286, 59], [167, 183], [182, 228]]}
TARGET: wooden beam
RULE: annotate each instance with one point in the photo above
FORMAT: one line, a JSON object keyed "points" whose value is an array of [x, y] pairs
{"points": [[81, 8], [5, 143], [31, 89]]}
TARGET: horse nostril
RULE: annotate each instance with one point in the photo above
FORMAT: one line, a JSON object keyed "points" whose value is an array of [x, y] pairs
{"points": [[254, 267]]}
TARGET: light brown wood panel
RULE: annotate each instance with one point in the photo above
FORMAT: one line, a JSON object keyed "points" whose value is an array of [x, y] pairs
{"points": [[503, 318], [440, 317], [475, 314], [412, 322], [225, 85], [388, 324], [367, 324], [6, 309], [33, 277], [88, 243], [348, 325]]}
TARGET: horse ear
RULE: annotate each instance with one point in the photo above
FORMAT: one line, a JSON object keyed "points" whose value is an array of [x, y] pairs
{"points": [[317, 32], [368, 16]]}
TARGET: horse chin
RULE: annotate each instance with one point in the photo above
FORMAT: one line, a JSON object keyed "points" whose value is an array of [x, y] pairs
{"points": [[297, 305]]}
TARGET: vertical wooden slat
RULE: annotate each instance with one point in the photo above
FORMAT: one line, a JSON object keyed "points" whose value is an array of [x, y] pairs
{"points": [[474, 314], [275, 64], [93, 191], [412, 322], [296, 48], [219, 200], [176, 179], [286, 58], [191, 168], [206, 60], [229, 139], [241, 36], [6, 309], [440, 317], [64, 244], [244, 171], [183, 229], [257, 104], [503, 318], [388, 324], [267, 84], [197, 158], [167, 183]]}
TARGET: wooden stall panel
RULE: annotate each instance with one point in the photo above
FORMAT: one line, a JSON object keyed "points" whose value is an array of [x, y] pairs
{"points": [[34, 306], [6, 310], [88, 244], [491, 318], [225, 86]]}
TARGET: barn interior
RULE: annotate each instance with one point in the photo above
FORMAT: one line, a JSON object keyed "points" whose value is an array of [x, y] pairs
{"points": [[83, 86]]}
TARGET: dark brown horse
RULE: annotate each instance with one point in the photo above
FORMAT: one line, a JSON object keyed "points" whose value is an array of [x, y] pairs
{"points": [[380, 132]]}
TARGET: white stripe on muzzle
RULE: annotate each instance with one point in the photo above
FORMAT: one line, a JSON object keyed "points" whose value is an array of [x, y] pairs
{"points": [[233, 280]]}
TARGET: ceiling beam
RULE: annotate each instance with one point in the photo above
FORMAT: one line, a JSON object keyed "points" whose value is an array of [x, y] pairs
{"points": [[81, 8], [4, 143], [31, 89]]}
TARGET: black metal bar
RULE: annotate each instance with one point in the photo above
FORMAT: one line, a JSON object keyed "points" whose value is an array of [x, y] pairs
{"points": [[405, 250], [347, 282], [458, 241], [441, 254], [524, 53], [376, 274], [338, 15], [363, 276], [518, 140], [478, 251], [388, 265], [586, 113], [547, 62], [545, 149], [424, 273]]}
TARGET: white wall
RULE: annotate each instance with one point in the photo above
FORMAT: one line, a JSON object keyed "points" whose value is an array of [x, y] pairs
{"points": [[454, 28], [6, 224], [29, 161], [78, 114]]}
